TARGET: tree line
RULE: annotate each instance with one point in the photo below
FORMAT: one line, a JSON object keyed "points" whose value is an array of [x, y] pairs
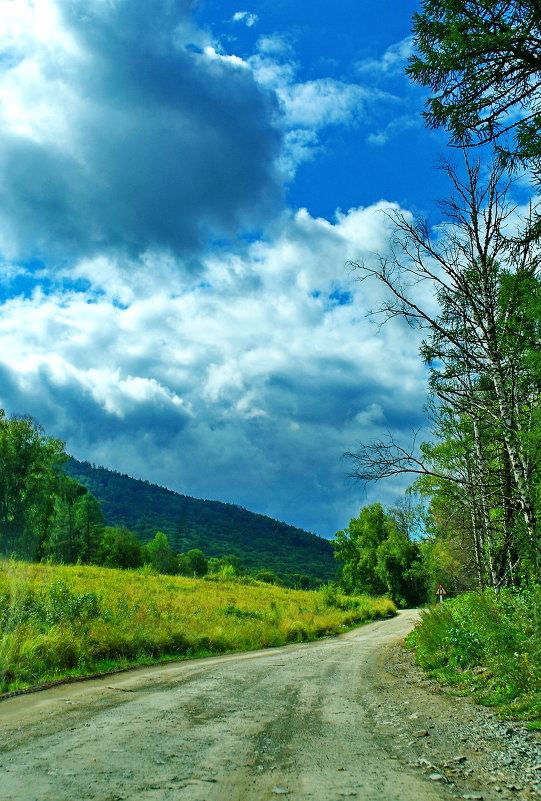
{"points": [[46, 515], [473, 287], [217, 528]]}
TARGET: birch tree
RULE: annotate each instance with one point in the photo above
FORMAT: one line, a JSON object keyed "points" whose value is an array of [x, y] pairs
{"points": [[477, 266]]}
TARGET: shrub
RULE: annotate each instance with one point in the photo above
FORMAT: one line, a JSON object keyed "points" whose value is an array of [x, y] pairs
{"points": [[491, 643]]}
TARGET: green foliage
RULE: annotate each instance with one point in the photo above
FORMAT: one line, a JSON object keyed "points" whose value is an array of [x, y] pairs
{"points": [[331, 595], [231, 609], [197, 562], [49, 606], [446, 560], [28, 480], [89, 523], [227, 565], [359, 607], [399, 568], [76, 524], [213, 527], [481, 59], [160, 555], [481, 346], [267, 576], [489, 644], [59, 621], [227, 573], [357, 547], [379, 558], [120, 547], [43, 512]]}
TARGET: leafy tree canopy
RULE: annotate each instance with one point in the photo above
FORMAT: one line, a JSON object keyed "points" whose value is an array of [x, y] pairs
{"points": [[379, 557], [160, 555], [28, 479], [357, 547], [482, 61], [120, 547]]}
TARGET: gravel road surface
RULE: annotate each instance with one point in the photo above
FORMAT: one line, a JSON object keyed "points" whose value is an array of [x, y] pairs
{"points": [[345, 717]]}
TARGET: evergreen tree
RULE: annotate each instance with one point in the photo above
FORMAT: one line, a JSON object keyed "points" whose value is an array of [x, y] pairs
{"points": [[89, 522], [160, 555], [76, 524], [482, 61]]}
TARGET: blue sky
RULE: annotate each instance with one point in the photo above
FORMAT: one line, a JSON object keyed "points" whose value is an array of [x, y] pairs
{"points": [[181, 187]]}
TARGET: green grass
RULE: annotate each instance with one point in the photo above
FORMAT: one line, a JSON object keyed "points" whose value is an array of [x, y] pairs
{"points": [[58, 621], [487, 645]]}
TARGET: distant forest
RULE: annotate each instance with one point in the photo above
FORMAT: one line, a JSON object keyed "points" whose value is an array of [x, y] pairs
{"points": [[216, 528]]}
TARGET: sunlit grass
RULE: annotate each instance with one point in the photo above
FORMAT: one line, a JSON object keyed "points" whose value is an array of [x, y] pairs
{"points": [[487, 645], [59, 621]]}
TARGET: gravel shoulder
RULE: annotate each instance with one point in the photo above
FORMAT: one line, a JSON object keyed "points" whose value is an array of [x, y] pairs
{"points": [[344, 717], [439, 733]]}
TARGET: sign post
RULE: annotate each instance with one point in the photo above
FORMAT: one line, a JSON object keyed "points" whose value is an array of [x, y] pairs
{"points": [[441, 592]]}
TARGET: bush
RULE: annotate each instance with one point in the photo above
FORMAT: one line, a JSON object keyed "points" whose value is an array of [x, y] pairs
{"points": [[490, 643]]}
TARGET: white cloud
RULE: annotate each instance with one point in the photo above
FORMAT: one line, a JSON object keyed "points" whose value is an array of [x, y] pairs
{"points": [[245, 17], [119, 131], [323, 102], [258, 374], [125, 130], [393, 60], [310, 107], [129, 139]]}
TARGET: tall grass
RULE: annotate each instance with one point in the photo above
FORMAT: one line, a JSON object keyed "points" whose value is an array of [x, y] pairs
{"points": [[59, 621], [489, 645]]}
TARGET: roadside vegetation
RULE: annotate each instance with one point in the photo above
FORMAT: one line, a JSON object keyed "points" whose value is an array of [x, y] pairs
{"points": [[472, 284], [62, 621], [487, 645]]}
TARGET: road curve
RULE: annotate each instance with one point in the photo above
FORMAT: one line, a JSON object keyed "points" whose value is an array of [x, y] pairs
{"points": [[288, 721]]}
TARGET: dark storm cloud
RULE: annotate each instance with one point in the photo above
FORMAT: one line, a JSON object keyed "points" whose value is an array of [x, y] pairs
{"points": [[151, 139], [67, 408], [333, 391]]}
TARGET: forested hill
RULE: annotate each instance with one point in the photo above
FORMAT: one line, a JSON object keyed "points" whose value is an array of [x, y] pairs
{"points": [[216, 528]]}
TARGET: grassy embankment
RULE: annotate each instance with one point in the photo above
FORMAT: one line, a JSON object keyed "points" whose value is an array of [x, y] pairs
{"points": [[487, 645], [57, 622]]}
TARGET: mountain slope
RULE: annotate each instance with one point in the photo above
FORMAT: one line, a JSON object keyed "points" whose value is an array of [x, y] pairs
{"points": [[217, 528]]}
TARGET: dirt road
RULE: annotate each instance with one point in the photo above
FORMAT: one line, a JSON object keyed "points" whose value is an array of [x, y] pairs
{"points": [[303, 722]]}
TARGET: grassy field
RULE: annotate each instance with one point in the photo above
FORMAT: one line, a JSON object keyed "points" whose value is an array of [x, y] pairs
{"points": [[58, 622], [487, 645]]}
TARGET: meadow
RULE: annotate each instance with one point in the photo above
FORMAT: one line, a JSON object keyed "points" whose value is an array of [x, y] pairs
{"points": [[63, 621]]}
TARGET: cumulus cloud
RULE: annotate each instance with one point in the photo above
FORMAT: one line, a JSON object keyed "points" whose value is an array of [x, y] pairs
{"points": [[246, 383], [179, 323], [121, 128], [323, 102], [124, 129]]}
